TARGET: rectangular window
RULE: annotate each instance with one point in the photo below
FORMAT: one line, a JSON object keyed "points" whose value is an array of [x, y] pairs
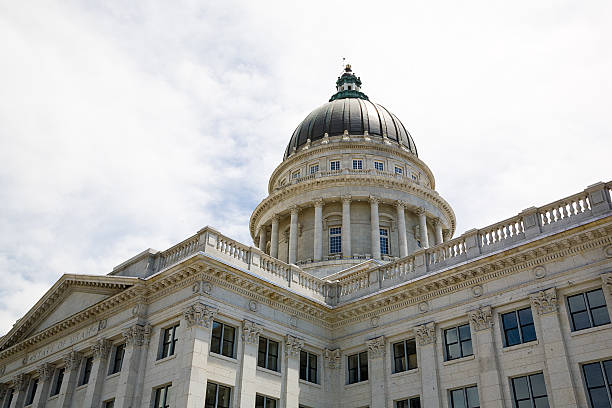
{"points": [[518, 327], [458, 342], [57, 381], [168, 344], [308, 367], [9, 398], [117, 360], [109, 404], [399, 170], [335, 240], [404, 356], [223, 339], [384, 241], [162, 397], [588, 310], [295, 175], [357, 164], [31, 392], [529, 391], [358, 367], [264, 402], [379, 165], [598, 380], [465, 398], [217, 396], [267, 355], [409, 403], [314, 168], [86, 365], [414, 177], [334, 165]]}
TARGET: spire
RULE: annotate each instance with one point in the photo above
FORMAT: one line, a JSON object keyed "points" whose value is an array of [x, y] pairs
{"points": [[348, 85]]}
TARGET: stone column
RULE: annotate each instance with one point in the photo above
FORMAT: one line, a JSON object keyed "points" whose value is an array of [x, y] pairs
{"points": [[490, 385], [401, 227], [377, 374], [248, 372], [291, 383], [562, 392], [20, 387], [333, 376], [293, 235], [346, 227], [197, 319], [135, 337], [274, 237], [72, 361], [423, 227], [101, 349], [439, 234], [45, 374], [428, 361], [374, 227], [318, 230], [262, 238], [3, 394]]}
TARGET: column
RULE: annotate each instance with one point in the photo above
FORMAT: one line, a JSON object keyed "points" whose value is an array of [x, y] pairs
{"points": [[490, 385], [375, 227], [274, 237], [135, 337], [428, 362], [101, 349], [248, 372], [291, 383], [423, 227], [20, 387], [334, 378], [72, 361], [346, 227], [45, 374], [293, 231], [197, 319], [318, 230], [401, 227], [377, 371], [439, 234], [262, 238], [562, 392]]}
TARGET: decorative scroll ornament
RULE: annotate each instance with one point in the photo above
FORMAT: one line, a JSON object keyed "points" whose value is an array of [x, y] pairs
{"points": [[293, 345], [482, 318], [332, 358], [137, 334], [45, 372], [607, 280], [251, 331], [101, 349], [20, 382], [426, 334], [72, 360], [199, 314], [376, 347], [545, 301]]}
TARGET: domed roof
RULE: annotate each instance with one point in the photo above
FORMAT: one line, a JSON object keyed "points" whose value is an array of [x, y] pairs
{"points": [[351, 110]]}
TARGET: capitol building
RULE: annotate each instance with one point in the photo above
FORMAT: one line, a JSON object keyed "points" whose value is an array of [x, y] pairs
{"points": [[357, 291]]}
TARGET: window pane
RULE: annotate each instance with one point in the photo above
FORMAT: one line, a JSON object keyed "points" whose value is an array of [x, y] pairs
{"points": [[454, 351], [259, 402], [596, 298], [228, 341], [509, 320], [398, 353], [529, 333], [223, 400], [211, 389], [538, 387], [525, 316], [271, 403], [512, 337], [521, 389], [466, 348], [412, 361], [464, 332], [451, 336], [524, 404], [593, 375], [608, 369], [458, 399], [261, 352], [312, 367], [581, 320], [352, 362], [303, 365], [599, 398], [576, 303], [600, 316], [415, 403], [541, 402], [272, 355], [215, 341], [363, 366], [472, 397]]}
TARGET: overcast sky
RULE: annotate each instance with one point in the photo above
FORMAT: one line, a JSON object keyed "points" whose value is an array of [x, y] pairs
{"points": [[131, 125]]}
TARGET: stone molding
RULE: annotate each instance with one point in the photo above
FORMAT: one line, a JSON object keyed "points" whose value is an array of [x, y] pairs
{"points": [[317, 203], [20, 382], [426, 334], [101, 349], [374, 199], [293, 346], [332, 358], [294, 210], [3, 390], [481, 318], [45, 371], [199, 314], [419, 211], [251, 331], [137, 334], [402, 205], [347, 199], [72, 359], [607, 281], [376, 347], [545, 301]]}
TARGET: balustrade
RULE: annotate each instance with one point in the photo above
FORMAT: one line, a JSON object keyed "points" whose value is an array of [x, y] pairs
{"points": [[504, 230], [564, 209]]}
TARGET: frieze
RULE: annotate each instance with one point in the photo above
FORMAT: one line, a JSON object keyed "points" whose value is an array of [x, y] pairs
{"points": [[293, 345], [481, 318], [251, 331], [61, 344], [426, 334], [545, 301], [332, 358], [376, 347]]}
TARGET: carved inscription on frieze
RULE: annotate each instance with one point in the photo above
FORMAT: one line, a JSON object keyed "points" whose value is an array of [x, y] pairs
{"points": [[63, 343]]}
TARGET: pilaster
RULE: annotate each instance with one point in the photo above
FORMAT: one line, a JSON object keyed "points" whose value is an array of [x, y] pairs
{"points": [[45, 373], [318, 230], [291, 383], [332, 362], [101, 350], [599, 198], [401, 227], [72, 361], [428, 363], [375, 227], [532, 224], [274, 237], [377, 371], [20, 387], [248, 371], [135, 337], [346, 227], [293, 235]]}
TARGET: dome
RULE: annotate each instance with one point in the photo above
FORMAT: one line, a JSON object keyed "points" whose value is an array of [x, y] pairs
{"points": [[350, 110]]}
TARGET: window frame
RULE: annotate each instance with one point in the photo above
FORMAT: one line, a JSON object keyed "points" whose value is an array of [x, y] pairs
{"points": [[109, 403], [384, 238], [408, 403], [588, 309], [31, 392], [357, 164], [114, 361], [266, 400], [173, 340], [405, 356], [56, 383], [358, 368], [607, 381], [217, 387], [519, 326], [337, 238], [313, 166], [296, 174], [529, 387], [85, 371], [335, 163], [157, 396], [222, 339], [398, 170], [377, 164], [309, 368], [465, 395], [459, 341], [267, 354]]}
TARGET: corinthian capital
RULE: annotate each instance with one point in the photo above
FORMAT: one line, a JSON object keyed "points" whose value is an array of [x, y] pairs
{"points": [[426, 334], [72, 360], [420, 211], [318, 202], [20, 382], [199, 314], [545, 301], [293, 345], [376, 347], [346, 199], [482, 318], [295, 210], [251, 331], [101, 349], [137, 334], [374, 200], [45, 372]]}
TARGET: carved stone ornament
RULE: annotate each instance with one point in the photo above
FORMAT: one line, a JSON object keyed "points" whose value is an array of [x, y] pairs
{"points": [[251, 331], [375, 321], [102, 324], [252, 305], [607, 281], [481, 318], [45, 371], [376, 347], [539, 271], [293, 321], [332, 358], [20, 382], [293, 345], [202, 288], [426, 334], [2, 369], [545, 301], [72, 360], [199, 314], [423, 307], [477, 291], [137, 334], [101, 349], [608, 251]]}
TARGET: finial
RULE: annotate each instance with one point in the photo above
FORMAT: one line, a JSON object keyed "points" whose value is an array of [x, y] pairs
{"points": [[347, 68]]}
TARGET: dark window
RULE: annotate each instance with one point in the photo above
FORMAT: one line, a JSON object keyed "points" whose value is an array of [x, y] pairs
{"points": [[518, 327], [169, 340], [379, 166], [308, 367], [222, 341], [588, 310], [9, 399], [117, 360], [335, 240], [264, 402], [162, 396], [86, 365], [465, 398], [217, 396], [267, 355], [598, 380], [31, 392], [458, 342], [358, 367], [409, 403], [109, 404], [57, 383], [357, 164], [384, 241], [404, 356], [334, 165], [529, 391]]}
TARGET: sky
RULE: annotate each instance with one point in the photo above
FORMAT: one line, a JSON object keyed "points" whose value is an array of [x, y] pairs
{"points": [[131, 125]]}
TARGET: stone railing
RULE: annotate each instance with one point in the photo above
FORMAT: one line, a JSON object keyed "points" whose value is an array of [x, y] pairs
{"points": [[347, 171]]}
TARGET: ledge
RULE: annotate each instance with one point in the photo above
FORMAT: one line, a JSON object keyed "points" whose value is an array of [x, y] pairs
{"points": [[225, 358], [407, 372], [267, 371], [591, 330], [163, 360], [459, 360], [117, 374], [521, 346], [357, 384], [304, 382]]}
